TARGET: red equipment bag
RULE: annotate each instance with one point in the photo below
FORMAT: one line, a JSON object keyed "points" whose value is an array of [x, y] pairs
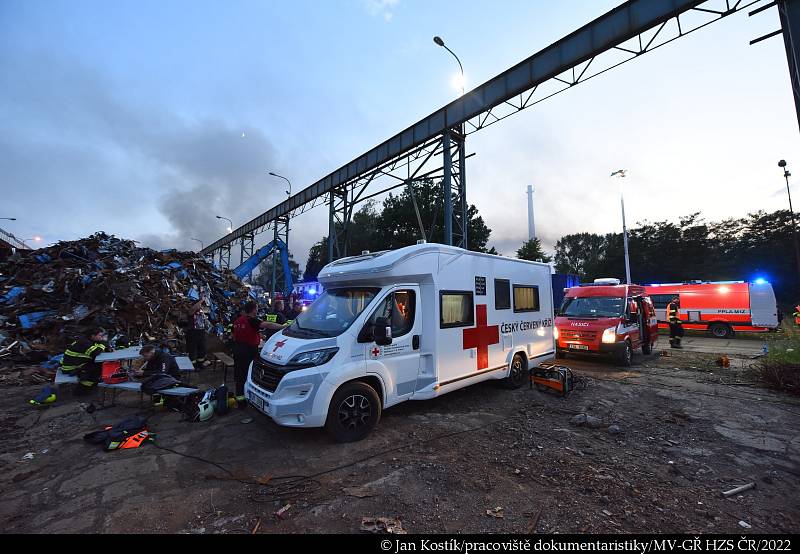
{"points": [[112, 373]]}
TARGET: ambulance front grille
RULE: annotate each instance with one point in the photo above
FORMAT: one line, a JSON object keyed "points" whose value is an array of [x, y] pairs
{"points": [[267, 375]]}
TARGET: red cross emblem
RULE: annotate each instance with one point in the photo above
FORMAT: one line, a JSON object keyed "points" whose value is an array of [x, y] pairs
{"points": [[375, 352], [481, 337], [279, 344]]}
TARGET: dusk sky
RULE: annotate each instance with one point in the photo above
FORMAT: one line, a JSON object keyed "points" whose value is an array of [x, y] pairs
{"points": [[146, 119]]}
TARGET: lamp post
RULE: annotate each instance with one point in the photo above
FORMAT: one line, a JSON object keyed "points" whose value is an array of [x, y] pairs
{"points": [[440, 42], [786, 175], [37, 238], [200, 241], [230, 227], [9, 218], [620, 173], [289, 192]]}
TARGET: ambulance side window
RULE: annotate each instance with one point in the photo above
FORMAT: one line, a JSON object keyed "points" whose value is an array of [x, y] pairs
{"points": [[502, 294], [456, 309], [526, 298]]}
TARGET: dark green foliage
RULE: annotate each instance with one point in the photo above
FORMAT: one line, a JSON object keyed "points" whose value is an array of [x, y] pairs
{"points": [[532, 251], [759, 244]]}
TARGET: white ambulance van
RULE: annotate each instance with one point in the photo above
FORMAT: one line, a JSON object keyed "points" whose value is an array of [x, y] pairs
{"points": [[407, 324]]}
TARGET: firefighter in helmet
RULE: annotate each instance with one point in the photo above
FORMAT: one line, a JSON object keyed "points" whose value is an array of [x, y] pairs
{"points": [[675, 327]]}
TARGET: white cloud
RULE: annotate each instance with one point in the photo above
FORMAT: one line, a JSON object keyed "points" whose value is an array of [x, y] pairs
{"points": [[384, 8]]}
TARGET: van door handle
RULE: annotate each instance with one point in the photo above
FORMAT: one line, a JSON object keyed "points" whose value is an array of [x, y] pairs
{"points": [[415, 342]]}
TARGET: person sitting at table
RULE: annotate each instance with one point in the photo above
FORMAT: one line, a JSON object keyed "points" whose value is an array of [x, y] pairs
{"points": [[80, 359], [157, 361]]}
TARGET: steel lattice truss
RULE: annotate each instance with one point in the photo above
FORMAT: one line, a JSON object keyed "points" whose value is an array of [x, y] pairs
{"points": [[433, 148]]}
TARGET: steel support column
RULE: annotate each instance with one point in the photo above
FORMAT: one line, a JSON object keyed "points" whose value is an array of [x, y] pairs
{"points": [[338, 223], [447, 187], [247, 248], [454, 189], [281, 231], [225, 256], [789, 13]]}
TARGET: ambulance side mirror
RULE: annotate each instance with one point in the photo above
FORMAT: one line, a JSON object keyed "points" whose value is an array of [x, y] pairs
{"points": [[382, 332]]}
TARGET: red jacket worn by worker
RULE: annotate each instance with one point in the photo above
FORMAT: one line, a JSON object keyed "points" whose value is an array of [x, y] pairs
{"points": [[245, 332]]}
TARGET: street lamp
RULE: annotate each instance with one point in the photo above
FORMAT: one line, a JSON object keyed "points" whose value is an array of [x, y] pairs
{"points": [[289, 192], [440, 42], [621, 174], [786, 175], [230, 227], [9, 218], [200, 241]]}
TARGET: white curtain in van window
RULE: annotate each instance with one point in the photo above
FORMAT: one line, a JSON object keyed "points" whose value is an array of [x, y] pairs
{"points": [[455, 308]]}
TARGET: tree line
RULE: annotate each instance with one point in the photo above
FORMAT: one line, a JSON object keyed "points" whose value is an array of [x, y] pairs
{"points": [[758, 245]]}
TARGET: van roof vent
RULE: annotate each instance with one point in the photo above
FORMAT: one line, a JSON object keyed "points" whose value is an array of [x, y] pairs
{"points": [[422, 241], [364, 252]]}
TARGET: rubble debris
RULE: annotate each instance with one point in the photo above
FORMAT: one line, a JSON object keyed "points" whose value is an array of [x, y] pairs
{"points": [[614, 429], [584, 419], [280, 513], [737, 490], [53, 295], [745, 525], [496, 513], [578, 420], [383, 525]]}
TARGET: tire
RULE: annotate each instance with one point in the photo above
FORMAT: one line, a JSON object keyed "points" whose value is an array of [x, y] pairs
{"points": [[720, 330], [647, 347], [626, 357], [516, 374], [560, 354], [354, 412]]}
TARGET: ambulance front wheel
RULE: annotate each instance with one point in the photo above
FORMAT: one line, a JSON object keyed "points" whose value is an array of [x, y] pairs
{"points": [[516, 373], [354, 412]]}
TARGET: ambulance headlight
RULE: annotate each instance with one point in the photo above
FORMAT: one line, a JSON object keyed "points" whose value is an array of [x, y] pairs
{"points": [[610, 335], [555, 333], [314, 357]]}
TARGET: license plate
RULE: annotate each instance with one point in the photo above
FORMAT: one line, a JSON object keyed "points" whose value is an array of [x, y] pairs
{"points": [[578, 347], [258, 402]]}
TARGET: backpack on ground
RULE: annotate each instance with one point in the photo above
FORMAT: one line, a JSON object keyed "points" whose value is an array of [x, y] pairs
{"points": [[221, 400]]}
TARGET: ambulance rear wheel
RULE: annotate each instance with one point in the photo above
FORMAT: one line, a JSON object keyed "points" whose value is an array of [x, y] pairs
{"points": [[354, 412], [516, 374], [721, 330]]}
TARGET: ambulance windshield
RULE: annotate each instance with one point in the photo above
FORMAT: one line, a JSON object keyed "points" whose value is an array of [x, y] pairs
{"points": [[332, 313], [593, 307]]}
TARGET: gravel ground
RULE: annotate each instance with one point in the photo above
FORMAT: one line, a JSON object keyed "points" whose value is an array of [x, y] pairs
{"points": [[663, 440]]}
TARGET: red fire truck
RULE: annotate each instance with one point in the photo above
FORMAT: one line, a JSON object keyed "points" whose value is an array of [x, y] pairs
{"points": [[721, 307], [606, 317]]}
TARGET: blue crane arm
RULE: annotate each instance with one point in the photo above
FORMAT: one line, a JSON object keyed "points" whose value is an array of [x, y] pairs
{"points": [[248, 266]]}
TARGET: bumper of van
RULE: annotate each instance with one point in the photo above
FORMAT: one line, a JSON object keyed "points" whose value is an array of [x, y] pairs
{"points": [[292, 404], [603, 349]]}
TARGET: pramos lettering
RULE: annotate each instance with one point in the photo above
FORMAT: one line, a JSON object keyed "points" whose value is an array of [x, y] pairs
{"points": [[514, 326]]}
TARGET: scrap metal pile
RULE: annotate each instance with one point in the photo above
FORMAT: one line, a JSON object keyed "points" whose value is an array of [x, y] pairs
{"points": [[53, 295]]}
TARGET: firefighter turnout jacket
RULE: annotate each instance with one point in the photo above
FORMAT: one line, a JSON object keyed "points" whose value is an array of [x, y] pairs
{"points": [[672, 313], [80, 353]]}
